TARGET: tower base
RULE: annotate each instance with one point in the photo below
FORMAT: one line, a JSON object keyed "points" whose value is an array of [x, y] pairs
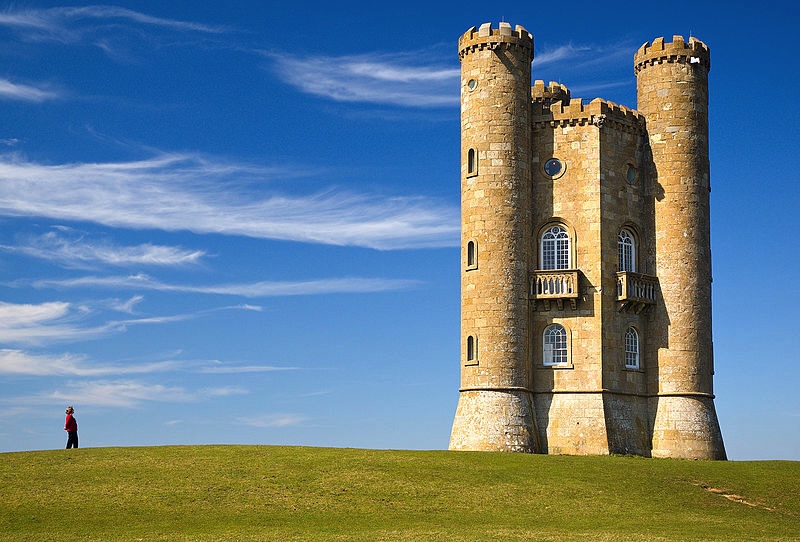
{"points": [[686, 427], [494, 421]]}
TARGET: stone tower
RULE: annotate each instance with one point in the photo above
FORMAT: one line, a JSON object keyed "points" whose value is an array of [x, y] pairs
{"points": [[586, 316], [672, 90], [495, 407]]}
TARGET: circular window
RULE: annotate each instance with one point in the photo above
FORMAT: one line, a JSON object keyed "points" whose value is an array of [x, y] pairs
{"points": [[630, 174], [471, 84], [554, 168]]}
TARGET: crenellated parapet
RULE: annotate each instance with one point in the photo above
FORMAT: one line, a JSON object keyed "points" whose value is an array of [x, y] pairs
{"points": [[548, 94], [490, 38], [575, 113], [678, 51]]}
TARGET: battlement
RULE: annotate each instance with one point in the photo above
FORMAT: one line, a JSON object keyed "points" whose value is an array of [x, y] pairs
{"points": [[693, 52], [549, 94], [574, 112], [487, 37]]}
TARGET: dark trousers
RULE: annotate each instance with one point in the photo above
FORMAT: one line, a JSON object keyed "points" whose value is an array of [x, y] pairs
{"points": [[72, 439]]}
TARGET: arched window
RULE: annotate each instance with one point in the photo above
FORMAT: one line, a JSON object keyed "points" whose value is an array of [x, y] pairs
{"points": [[555, 349], [627, 251], [472, 255], [631, 349], [472, 349], [472, 162], [555, 249]]}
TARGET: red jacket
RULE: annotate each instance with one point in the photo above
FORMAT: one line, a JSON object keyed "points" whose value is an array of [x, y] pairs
{"points": [[70, 424]]}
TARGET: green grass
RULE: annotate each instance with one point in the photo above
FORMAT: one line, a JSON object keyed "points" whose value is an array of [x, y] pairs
{"points": [[245, 493]]}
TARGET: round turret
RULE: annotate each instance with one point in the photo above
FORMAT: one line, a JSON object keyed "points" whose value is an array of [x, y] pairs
{"points": [[672, 87], [502, 37], [676, 52], [495, 409]]}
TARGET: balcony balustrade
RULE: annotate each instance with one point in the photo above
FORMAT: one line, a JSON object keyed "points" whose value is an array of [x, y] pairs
{"points": [[636, 291], [555, 286]]}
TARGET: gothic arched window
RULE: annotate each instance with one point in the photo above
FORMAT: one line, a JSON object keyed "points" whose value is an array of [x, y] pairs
{"points": [[555, 349], [555, 248], [631, 349], [627, 251]]}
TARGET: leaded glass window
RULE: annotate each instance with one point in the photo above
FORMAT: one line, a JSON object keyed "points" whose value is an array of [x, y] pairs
{"points": [[555, 249], [627, 251], [631, 349], [555, 351]]}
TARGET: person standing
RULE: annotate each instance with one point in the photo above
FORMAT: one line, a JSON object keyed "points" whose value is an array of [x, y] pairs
{"points": [[71, 427]]}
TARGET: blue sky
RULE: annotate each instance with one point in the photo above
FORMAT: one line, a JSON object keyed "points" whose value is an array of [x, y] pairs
{"points": [[237, 222]]}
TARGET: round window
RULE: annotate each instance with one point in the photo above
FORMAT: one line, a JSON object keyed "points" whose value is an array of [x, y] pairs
{"points": [[554, 168], [630, 174], [471, 84]]}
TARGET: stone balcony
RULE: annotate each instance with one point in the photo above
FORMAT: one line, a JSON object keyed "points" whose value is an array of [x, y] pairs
{"points": [[635, 291], [555, 285]]}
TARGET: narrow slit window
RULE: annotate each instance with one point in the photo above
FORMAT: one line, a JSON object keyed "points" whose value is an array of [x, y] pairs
{"points": [[472, 349], [472, 255], [472, 162]]}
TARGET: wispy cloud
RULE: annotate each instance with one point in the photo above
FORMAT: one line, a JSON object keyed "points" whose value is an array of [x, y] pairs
{"points": [[25, 93], [561, 53], [21, 315], [590, 69], [253, 289], [52, 322], [128, 305], [272, 420], [72, 24], [45, 322], [238, 369], [130, 393], [190, 192], [381, 78], [223, 391], [81, 252], [23, 363], [20, 362]]}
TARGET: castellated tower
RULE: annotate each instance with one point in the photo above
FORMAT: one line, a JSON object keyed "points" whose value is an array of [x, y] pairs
{"points": [[585, 269], [495, 407], [672, 89]]}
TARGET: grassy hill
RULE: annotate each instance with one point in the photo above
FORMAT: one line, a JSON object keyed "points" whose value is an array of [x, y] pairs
{"points": [[243, 493]]}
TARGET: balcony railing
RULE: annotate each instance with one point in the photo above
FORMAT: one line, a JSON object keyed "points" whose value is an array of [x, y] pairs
{"points": [[555, 286], [635, 290]]}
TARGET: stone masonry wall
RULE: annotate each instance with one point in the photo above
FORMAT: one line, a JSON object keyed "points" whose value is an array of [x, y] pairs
{"points": [[646, 171], [495, 407], [672, 88]]}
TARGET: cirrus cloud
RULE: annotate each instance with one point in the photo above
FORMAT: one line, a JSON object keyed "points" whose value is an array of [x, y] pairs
{"points": [[186, 192], [380, 78]]}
